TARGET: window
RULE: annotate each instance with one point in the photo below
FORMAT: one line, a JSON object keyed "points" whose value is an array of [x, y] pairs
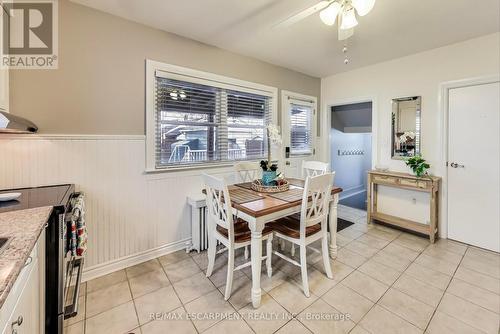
{"points": [[204, 119], [299, 118], [301, 138]]}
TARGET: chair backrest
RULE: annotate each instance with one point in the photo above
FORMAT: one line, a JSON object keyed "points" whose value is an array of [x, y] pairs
{"points": [[319, 189], [247, 171], [314, 168], [219, 209]]}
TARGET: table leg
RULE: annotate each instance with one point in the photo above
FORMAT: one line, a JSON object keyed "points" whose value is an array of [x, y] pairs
{"points": [[369, 200], [333, 226], [256, 255]]}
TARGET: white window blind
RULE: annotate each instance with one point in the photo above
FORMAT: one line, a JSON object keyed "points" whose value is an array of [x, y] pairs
{"points": [[199, 122], [301, 118]]}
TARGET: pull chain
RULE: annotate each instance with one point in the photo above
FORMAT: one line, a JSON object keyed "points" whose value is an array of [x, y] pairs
{"points": [[344, 51]]}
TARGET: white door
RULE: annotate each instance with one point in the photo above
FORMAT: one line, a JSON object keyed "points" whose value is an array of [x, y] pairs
{"points": [[298, 130], [473, 165]]}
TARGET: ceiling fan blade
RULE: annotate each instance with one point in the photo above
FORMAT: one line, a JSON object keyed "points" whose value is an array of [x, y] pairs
{"points": [[303, 14]]}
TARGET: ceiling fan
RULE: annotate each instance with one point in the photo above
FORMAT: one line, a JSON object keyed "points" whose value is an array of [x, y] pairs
{"points": [[345, 10]]}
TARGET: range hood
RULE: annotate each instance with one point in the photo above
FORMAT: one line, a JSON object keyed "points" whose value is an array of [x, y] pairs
{"points": [[14, 124]]}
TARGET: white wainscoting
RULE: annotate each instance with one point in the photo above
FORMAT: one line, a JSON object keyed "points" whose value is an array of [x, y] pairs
{"points": [[131, 216]]}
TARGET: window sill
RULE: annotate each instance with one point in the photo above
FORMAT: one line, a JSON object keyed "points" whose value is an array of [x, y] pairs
{"points": [[185, 168], [301, 155], [173, 169]]}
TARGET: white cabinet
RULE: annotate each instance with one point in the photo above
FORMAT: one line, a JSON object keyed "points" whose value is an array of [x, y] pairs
{"points": [[26, 316], [22, 312]]}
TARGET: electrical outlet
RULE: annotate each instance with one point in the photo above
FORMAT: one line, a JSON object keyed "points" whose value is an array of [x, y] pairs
{"points": [[414, 200]]}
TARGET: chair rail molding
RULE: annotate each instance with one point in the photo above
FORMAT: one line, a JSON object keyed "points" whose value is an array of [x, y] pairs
{"points": [[128, 218]]}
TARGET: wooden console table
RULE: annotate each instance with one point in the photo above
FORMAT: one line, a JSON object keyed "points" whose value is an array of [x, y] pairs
{"points": [[428, 184]]}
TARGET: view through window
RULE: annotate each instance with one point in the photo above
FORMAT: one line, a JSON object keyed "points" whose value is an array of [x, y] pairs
{"points": [[301, 129], [199, 123]]}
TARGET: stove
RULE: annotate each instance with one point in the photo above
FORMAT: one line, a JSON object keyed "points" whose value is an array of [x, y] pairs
{"points": [[57, 195], [60, 269]]}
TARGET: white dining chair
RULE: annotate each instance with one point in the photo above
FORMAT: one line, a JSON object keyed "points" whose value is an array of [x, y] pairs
{"points": [[309, 168], [232, 234], [247, 172], [313, 168], [311, 226]]}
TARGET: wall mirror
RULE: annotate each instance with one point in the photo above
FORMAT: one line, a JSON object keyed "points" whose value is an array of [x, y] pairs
{"points": [[405, 132]]}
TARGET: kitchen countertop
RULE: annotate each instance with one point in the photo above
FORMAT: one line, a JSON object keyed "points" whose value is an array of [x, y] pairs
{"points": [[23, 227]]}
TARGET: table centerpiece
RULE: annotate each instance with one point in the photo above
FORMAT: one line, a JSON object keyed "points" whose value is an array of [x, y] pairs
{"points": [[272, 180]]}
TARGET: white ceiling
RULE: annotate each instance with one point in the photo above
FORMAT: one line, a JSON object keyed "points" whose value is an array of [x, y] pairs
{"points": [[393, 29]]}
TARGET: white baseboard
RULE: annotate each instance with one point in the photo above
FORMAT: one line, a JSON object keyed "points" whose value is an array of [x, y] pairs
{"points": [[131, 260]]}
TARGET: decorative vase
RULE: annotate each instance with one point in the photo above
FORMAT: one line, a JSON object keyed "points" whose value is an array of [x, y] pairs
{"points": [[268, 177]]}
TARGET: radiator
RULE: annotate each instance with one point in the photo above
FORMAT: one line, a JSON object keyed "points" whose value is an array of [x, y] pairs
{"points": [[199, 228]]}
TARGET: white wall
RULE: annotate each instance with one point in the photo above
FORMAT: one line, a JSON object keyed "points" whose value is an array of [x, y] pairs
{"points": [[420, 74], [350, 170]]}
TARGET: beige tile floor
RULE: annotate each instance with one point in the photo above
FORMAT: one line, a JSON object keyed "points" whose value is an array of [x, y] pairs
{"points": [[385, 281]]}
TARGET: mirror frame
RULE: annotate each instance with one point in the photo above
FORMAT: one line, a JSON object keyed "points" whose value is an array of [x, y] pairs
{"points": [[418, 126]]}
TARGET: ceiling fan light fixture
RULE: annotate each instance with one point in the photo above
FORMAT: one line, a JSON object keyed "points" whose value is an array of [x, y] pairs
{"points": [[330, 13], [363, 7], [348, 19]]}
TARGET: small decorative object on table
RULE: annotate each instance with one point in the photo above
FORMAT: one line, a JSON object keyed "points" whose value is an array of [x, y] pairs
{"points": [[418, 165], [277, 186], [272, 180], [269, 173], [381, 168]]}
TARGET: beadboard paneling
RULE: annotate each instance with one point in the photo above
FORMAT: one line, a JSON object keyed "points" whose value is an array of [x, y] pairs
{"points": [[128, 212]]}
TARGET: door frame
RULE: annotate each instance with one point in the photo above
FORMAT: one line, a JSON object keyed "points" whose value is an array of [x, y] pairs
{"points": [[444, 89], [326, 129], [285, 97]]}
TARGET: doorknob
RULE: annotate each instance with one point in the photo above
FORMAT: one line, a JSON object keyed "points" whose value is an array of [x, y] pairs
{"points": [[455, 165]]}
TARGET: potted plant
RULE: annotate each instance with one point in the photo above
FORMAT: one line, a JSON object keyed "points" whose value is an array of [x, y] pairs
{"points": [[418, 165], [269, 170]]}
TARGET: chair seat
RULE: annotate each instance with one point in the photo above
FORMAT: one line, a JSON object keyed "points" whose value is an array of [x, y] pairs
{"points": [[241, 231], [290, 226]]}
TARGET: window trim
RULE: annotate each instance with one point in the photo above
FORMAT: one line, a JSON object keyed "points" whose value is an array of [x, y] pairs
{"points": [[180, 73], [287, 97]]}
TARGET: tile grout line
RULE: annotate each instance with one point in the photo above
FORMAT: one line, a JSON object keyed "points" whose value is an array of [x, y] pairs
{"points": [[477, 287], [177, 294], [312, 267], [85, 313], [459, 297], [111, 308], [226, 301], [390, 286], [355, 269], [133, 303], [446, 289], [291, 280], [155, 290], [478, 272], [173, 288]]}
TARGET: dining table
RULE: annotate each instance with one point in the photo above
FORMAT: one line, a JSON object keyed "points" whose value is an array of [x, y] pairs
{"points": [[260, 208]]}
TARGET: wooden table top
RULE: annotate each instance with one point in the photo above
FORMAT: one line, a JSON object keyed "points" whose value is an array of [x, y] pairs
{"points": [[405, 175], [268, 203]]}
